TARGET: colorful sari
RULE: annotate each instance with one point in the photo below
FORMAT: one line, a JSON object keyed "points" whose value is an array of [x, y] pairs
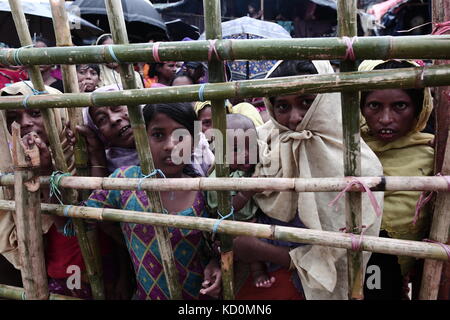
{"points": [[143, 246]]}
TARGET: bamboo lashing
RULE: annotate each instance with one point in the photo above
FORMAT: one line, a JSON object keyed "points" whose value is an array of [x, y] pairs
{"points": [[16, 293]]}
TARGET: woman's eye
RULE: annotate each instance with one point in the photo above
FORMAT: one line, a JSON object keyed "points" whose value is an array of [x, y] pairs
{"points": [[36, 114], [307, 102], [373, 105], [282, 107], [157, 135], [400, 105]]}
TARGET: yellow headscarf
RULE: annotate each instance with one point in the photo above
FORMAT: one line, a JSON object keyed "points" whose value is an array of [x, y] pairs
{"points": [[243, 108], [410, 155], [314, 149]]}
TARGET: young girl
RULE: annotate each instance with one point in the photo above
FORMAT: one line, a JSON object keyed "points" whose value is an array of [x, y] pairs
{"points": [[303, 139], [88, 77], [394, 119], [161, 121]]}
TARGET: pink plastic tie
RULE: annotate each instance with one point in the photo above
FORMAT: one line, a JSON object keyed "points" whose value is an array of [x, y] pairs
{"points": [[356, 241], [356, 181], [444, 246], [155, 51], [441, 28], [423, 200], [349, 53], [212, 48]]}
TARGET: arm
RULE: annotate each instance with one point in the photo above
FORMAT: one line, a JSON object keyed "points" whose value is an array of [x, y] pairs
{"points": [[96, 151]]}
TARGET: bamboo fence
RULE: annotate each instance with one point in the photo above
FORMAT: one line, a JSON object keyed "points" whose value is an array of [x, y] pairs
{"points": [[348, 82]]}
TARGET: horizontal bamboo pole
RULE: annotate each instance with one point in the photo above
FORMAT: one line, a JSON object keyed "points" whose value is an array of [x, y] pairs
{"points": [[386, 47], [16, 293], [418, 249], [372, 80], [391, 183]]}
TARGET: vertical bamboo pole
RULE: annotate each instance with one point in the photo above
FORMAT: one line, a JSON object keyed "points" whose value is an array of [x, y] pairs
{"points": [[352, 155], [216, 73], [70, 80], [119, 33], [28, 218], [441, 13], [55, 143], [440, 226]]}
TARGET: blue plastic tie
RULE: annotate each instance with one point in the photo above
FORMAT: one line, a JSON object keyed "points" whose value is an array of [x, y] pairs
{"points": [[69, 230], [16, 55], [153, 173], [216, 225], [54, 184], [113, 55], [35, 93], [66, 210], [201, 92]]}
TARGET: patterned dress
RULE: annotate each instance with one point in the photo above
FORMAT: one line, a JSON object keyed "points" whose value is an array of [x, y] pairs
{"points": [[142, 245]]}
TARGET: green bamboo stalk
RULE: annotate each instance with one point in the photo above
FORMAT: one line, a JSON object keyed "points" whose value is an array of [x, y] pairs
{"points": [[16, 293], [371, 80], [70, 81], [55, 144], [119, 33], [417, 249], [347, 26], [28, 218], [390, 183], [385, 47], [216, 73]]}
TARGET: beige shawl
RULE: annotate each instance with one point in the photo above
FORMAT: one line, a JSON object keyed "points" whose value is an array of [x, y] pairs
{"points": [[8, 232], [315, 149]]}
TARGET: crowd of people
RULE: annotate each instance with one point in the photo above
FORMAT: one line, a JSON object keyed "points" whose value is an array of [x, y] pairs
{"points": [[289, 136]]}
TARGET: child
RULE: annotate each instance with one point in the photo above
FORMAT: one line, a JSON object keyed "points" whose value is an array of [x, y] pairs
{"points": [[60, 251], [243, 158], [303, 139], [88, 77], [394, 119], [162, 120]]}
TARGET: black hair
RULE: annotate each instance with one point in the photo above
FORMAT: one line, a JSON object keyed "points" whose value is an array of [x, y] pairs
{"points": [[181, 112], [289, 68], [92, 66], [180, 74], [153, 72], [103, 38], [416, 95]]}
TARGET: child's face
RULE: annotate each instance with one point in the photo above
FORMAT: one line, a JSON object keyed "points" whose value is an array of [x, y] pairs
{"points": [[390, 114], [30, 120], [114, 124], [240, 150], [205, 116], [162, 140], [88, 77], [289, 110]]}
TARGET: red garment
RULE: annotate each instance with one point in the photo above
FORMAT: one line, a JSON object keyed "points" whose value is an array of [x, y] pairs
{"points": [[282, 289], [8, 76], [62, 252]]}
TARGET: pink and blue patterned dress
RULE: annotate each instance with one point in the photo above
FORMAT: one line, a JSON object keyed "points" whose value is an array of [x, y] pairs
{"points": [[142, 245]]}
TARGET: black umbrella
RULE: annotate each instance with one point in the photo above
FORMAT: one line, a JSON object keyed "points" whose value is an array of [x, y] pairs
{"points": [[178, 30], [142, 20]]}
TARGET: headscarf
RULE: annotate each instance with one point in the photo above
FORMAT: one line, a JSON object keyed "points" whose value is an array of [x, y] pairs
{"points": [[116, 157], [243, 108], [409, 155], [8, 232], [314, 149]]}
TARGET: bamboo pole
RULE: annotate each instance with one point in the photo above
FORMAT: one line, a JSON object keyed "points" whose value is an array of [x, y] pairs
{"points": [[417, 249], [70, 81], [439, 232], [216, 73], [384, 47], [118, 30], [373, 80], [28, 218], [346, 10], [391, 183], [16, 293]]}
